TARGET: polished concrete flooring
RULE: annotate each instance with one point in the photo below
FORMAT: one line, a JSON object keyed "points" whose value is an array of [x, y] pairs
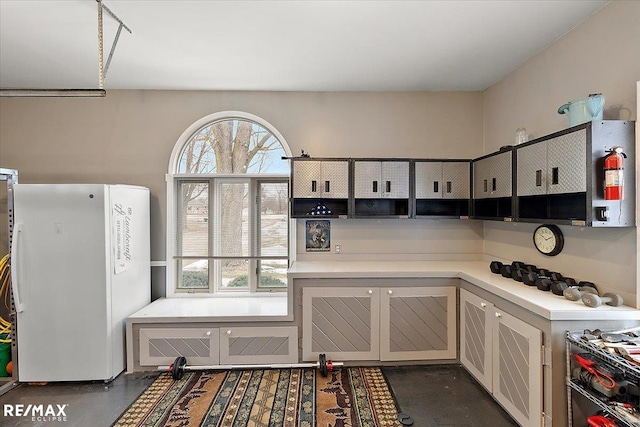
{"points": [[434, 396]]}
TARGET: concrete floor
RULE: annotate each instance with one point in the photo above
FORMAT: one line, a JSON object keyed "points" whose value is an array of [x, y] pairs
{"points": [[434, 396]]}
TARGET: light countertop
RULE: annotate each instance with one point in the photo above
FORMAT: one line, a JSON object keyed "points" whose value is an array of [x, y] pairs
{"points": [[544, 304]]}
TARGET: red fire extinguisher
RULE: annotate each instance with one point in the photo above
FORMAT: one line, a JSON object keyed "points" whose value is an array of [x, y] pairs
{"points": [[614, 174]]}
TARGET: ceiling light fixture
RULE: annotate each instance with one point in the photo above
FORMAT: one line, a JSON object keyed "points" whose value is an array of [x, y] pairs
{"points": [[102, 73]]}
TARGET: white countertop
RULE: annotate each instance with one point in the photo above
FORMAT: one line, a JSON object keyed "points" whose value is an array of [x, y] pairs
{"points": [[544, 304], [264, 307]]}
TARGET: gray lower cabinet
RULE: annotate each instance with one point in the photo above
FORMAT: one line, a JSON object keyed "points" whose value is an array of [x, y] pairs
{"points": [[161, 346], [418, 323], [504, 354], [395, 323], [340, 322], [214, 346]]}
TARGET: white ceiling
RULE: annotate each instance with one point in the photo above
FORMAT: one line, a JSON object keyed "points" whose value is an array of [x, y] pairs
{"points": [[280, 45]]}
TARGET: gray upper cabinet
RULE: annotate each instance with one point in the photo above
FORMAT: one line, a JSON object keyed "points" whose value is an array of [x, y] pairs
{"points": [[560, 177], [492, 176], [553, 166], [442, 180], [381, 179], [327, 179]]}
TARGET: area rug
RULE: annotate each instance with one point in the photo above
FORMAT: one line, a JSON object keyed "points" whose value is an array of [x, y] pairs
{"points": [[348, 397]]}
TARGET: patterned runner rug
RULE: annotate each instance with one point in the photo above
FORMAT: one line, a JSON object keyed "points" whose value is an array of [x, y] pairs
{"points": [[348, 397]]}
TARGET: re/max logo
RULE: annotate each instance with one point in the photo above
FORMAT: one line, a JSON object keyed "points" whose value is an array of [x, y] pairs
{"points": [[49, 411]]}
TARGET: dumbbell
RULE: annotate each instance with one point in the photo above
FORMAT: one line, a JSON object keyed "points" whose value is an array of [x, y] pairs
{"points": [[495, 267], [559, 286], [518, 274], [505, 270], [544, 283], [530, 278], [575, 294], [592, 300]]}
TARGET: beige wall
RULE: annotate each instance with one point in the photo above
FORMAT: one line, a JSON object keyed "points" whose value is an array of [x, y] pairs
{"points": [[128, 138], [600, 55]]}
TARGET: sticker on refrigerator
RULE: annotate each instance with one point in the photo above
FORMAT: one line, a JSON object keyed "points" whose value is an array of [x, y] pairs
{"points": [[121, 237]]}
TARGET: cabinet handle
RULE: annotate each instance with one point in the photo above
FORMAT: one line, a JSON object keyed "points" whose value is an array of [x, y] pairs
{"points": [[314, 186], [539, 178], [326, 187], [448, 186], [485, 186], [208, 333], [388, 186], [390, 292], [555, 178], [435, 186], [375, 186], [483, 304], [229, 332], [494, 184], [370, 292], [498, 314]]}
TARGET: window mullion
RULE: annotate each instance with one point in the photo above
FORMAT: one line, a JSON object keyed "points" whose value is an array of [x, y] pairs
{"points": [[253, 234]]}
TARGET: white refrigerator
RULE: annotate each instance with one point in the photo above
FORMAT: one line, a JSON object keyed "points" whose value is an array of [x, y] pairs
{"points": [[80, 264]]}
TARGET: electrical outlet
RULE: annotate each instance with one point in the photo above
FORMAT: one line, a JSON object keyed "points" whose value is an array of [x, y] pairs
{"points": [[338, 248]]}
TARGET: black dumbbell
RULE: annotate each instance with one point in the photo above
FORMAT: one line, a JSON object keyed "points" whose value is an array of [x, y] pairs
{"points": [[530, 278], [555, 276], [543, 272], [531, 267], [543, 283], [517, 264], [570, 281], [495, 267], [505, 270], [592, 300], [558, 287], [518, 274], [576, 293], [585, 284]]}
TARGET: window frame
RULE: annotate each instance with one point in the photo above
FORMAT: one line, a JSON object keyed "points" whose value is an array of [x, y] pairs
{"points": [[174, 178]]}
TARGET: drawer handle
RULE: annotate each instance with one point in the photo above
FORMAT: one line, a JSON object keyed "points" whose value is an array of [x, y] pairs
{"points": [[390, 292], [494, 184], [388, 187], [374, 186], [435, 186], [229, 332], [539, 178], [327, 187], [483, 304], [314, 186], [485, 186], [448, 186], [208, 333], [498, 315], [370, 292]]}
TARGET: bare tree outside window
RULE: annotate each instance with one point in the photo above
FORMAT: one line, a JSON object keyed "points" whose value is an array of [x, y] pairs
{"points": [[229, 149]]}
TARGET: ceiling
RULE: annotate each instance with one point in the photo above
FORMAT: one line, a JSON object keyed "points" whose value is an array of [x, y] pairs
{"points": [[280, 45]]}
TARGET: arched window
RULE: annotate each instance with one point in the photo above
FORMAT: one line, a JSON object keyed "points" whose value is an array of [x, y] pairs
{"points": [[229, 192]]}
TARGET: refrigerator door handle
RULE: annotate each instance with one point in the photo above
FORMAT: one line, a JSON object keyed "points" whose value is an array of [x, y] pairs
{"points": [[14, 268]]}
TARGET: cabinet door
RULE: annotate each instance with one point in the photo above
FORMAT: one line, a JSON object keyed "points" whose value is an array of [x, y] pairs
{"points": [[418, 323], [500, 175], [367, 177], [517, 368], [343, 323], [306, 179], [263, 345], [335, 179], [455, 180], [429, 180], [395, 180], [161, 346], [567, 163], [476, 337], [481, 185], [532, 169]]}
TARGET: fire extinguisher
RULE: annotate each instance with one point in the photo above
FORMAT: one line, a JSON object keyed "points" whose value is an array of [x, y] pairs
{"points": [[614, 174]]}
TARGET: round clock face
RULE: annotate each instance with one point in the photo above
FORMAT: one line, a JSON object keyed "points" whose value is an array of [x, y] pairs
{"points": [[548, 239]]}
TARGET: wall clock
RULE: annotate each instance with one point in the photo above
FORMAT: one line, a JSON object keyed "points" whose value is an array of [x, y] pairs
{"points": [[548, 239]]}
